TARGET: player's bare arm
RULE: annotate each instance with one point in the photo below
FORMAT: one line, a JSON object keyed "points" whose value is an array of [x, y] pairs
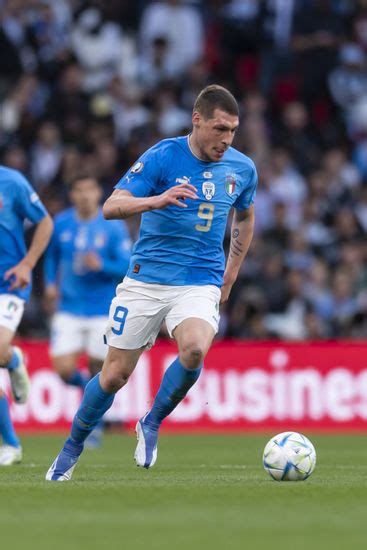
{"points": [[241, 236], [21, 273], [122, 204], [50, 297]]}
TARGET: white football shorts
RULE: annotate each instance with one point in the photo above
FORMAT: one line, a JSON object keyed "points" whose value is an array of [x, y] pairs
{"points": [[11, 311], [76, 334], [138, 310]]}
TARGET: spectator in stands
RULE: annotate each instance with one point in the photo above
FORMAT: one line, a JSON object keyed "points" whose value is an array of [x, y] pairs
{"points": [[27, 100], [289, 324], [171, 119], [287, 185], [317, 290], [99, 47], [155, 64], [127, 110], [182, 28], [276, 23], [46, 154], [317, 33], [344, 303], [348, 81], [296, 133]]}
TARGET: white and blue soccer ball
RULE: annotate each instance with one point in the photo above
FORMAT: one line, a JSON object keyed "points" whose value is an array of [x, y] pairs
{"points": [[289, 456]]}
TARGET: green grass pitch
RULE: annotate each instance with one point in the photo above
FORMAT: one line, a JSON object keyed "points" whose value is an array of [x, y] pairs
{"points": [[206, 492]]}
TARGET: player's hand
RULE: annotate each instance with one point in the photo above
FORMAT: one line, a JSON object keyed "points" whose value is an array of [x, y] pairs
{"points": [[19, 276], [225, 291], [92, 261], [176, 195]]}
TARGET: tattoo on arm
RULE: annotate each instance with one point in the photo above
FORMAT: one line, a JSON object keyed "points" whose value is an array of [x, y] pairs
{"points": [[236, 245]]}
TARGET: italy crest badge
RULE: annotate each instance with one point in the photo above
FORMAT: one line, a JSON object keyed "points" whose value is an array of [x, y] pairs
{"points": [[230, 183]]}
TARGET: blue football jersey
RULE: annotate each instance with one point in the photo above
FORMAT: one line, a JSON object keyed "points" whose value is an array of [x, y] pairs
{"points": [[84, 292], [184, 246], [18, 202]]}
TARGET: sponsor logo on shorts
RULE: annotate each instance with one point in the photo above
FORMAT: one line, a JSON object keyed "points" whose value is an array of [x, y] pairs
{"points": [[136, 268], [12, 307]]}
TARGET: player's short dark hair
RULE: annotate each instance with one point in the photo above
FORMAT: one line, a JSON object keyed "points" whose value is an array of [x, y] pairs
{"points": [[215, 97], [80, 176]]}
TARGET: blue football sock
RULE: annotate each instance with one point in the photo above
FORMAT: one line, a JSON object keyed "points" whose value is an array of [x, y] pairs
{"points": [[78, 379], [95, 403], [7, 431], [176, 382], [14, 361]]}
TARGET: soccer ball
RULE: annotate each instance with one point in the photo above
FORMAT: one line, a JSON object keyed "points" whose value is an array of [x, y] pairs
{"points": [[289, 456]]}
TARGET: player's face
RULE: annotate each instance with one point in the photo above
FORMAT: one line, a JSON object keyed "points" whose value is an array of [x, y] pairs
{"points": [[211, 137], [85, 196]]}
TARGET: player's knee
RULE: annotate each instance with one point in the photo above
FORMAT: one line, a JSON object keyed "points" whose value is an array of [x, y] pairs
{"points": [[114, 381], [192, 355]]}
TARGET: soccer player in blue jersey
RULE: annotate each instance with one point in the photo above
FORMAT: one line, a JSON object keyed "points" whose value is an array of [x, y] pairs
{"points": [[18, 202], [84, 262], [184, 188]]}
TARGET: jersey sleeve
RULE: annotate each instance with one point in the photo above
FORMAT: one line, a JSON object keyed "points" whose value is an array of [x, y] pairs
{"points": [[247, 196], [28, 203], [142, 178]]}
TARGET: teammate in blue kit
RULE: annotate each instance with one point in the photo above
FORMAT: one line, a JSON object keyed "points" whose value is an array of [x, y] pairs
{"points": [[18, 202], [84, 262], [184, 188]]}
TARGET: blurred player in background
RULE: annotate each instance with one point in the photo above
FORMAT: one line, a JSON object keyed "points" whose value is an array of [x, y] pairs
{"points": [[83, 265], [184, 188], [18, 202]]}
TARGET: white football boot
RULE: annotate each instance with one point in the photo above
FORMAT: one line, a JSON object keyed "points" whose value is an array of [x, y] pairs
{"points": [[146, 450], [19, 379], [10, 455]]}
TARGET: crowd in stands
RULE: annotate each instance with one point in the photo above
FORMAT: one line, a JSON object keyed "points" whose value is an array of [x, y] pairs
{"points": [[95, 83]]}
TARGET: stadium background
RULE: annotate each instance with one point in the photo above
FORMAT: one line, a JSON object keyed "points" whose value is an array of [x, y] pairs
{"points": [[95, 83]]}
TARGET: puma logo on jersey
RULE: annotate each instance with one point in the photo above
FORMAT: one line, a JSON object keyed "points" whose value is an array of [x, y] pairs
{"points": [[182, 180]]}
